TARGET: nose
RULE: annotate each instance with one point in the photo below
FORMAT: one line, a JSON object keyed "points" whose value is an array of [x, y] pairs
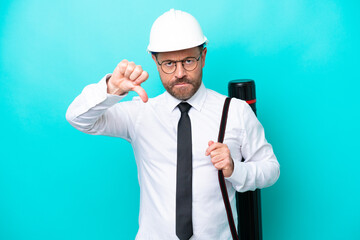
{"points": [[180, 71]]}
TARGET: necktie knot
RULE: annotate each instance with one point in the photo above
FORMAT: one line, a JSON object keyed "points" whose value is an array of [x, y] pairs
{"points": [[184, 107]]}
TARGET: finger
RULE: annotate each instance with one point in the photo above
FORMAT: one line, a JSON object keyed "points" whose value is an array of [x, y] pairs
{"points": [[212, 147], [136, 73], [207, 152], [129, 69], [143, 95], [122, 67], [224, 164], [216, 152], [216, 159], [117, 71], [220, 165], [219, 157], [142, 78], [220, 149]]}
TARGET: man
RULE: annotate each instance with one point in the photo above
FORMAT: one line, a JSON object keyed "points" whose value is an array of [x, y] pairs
{"points": [[174, 136]]}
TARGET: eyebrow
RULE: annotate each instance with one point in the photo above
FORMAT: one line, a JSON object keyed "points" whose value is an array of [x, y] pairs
{"points": [[171, 60]]}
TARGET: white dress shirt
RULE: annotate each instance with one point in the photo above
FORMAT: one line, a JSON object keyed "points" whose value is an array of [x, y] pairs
{"points": [[151, 128]]}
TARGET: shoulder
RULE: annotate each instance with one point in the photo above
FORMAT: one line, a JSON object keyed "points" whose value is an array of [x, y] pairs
{"points": [[214, 98], [235, 103], [239, 104]]}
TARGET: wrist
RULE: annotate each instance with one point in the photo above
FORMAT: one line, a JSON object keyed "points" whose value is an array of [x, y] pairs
{"points": [[230, 170], [111, 89]]}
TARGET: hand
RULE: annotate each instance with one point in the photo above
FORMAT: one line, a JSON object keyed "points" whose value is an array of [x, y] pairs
{"points": [[127, 77], [220, 157]]}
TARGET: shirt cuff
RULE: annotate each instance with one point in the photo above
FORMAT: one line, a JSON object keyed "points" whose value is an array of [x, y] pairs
{"points": [[238, 176], [95, 95], [109, 99]]}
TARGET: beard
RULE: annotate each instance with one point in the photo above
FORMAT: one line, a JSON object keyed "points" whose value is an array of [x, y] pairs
{"points": [[183, 92]]}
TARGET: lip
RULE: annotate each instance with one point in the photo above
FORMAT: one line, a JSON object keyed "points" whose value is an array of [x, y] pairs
{"points": [[181, 84]]}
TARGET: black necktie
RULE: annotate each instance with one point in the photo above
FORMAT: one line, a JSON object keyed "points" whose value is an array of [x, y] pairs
{"points": [[184, 228]]}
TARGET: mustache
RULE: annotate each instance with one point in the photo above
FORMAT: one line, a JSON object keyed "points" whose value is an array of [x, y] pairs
{"points": [[180, 80]]}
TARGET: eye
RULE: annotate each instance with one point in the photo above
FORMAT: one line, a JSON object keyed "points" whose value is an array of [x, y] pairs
{"points": [[189, 61], [168, 63]]}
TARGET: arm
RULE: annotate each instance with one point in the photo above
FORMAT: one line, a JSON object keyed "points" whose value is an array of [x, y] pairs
{"points": [[95, 110], [260, 168]]}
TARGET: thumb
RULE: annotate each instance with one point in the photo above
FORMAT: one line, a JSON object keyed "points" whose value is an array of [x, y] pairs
{"points": [[210, 143], [143, 95]]}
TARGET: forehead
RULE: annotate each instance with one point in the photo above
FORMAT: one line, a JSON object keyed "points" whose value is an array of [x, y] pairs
{"points": [[178, 55]]}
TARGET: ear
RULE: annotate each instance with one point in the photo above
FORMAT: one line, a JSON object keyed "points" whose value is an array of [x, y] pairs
{"points": [[153, 57], [203, 56], [155, 61]]}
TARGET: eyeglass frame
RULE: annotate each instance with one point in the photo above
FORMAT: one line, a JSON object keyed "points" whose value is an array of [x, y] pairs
{"points": [[182, 63]]}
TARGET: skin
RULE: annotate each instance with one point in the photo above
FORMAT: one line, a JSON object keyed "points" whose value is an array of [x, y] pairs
{"points": [[182, 84]]}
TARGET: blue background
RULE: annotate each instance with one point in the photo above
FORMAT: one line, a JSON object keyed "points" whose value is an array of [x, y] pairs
{"points": [[58, 183]]}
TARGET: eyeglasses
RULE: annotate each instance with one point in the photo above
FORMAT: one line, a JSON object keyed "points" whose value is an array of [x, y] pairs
{"points": [[189, 64]]}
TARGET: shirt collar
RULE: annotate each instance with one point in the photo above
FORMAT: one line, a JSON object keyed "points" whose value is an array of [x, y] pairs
{"points": [[196, 101]]}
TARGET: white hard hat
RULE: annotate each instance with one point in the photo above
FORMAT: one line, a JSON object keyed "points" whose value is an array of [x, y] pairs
{"points": [[175, 30]]}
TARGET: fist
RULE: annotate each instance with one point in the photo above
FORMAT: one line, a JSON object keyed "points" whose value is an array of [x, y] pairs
{"points": [[220, 157], [127, 76]]}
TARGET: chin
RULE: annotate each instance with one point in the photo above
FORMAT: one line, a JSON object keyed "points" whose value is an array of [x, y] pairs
{"points": [[183, 94]]}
